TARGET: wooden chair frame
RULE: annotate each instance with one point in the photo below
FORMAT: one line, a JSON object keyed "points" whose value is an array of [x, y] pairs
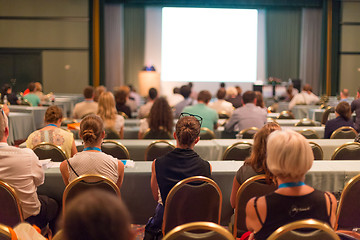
{"points": [[89, 178], [317, 145], [307, 223], [58, 148], [204, 129], [345, 191], [337, 150], [341, 129], [249, 129], [238, 194], [119, 145], [125, 116], [183, 182], [229, 148], [5, 230], [285, 112], [156, 142], [308, 130], [12, 191], [210, 226], [312, 123]]}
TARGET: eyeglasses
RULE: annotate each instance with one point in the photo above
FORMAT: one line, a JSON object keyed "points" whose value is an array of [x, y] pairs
{"points": [[197, 117]]}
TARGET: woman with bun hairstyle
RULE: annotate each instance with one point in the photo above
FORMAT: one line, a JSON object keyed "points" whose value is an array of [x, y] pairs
{"points": [[52, 133], [92, 160], [181, 163]]}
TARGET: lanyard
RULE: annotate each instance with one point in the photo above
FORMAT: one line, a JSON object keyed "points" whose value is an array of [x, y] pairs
{"points": [[51, 124], [92, 148], [291, 184]]}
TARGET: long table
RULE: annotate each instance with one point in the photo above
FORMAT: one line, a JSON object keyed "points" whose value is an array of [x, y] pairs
{"points": [[136, 192], [20, 126], [38, 113]]}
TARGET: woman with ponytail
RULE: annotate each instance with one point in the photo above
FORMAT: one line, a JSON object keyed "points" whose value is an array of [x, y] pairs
{"points": [[52, 133], [181, 163], [92, 160]]}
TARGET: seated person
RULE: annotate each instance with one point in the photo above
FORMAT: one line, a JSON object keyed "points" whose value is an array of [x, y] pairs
{"points": [[220, 105], [11, 97], [98, 91], [91, 160], [86, 107], [160, 119], [107, 111], [175, 166], [52, 133], [255, 163], [31, 97], [83, 214], [305, 97], [145, 109], [289, 157], [22, 170], [343, 118], [234, 97], [185, 91], [121, 96]]}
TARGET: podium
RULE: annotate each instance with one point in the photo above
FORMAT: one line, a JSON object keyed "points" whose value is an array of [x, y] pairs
{"points": [[147, 80]]}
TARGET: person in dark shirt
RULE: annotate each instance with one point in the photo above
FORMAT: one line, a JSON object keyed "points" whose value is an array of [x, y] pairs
{"points": [[355, 107], [343, 118], [11, 97]]}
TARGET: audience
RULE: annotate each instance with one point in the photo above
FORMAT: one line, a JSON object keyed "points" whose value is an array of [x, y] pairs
{"points": [[220, 105], [52, 133], [11, 97], [344, 96], [92, 160], [98, 91], [289, 157], [355, 107], [31, 97], [86, 107], [121, 96], [185, 91], [39, 92], [97, 214], [134, 95], [249, 115], [107, 112], [233, 97], [175, 97], [145, 109], [181, 163], [343, 118], [306, 97], [209, 116], [160, 120], [255, 164], [22, 170]]}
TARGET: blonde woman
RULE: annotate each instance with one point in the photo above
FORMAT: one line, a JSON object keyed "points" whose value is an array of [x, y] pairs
{"points": [[107, 112]]}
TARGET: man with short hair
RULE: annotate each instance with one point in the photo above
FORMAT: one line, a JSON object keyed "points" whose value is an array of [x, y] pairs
{"points": [[209, 116], [222, 106], [355, 106], [306, 97], [249, 115], [145, 109], [344, 96], [185, 91], [31, 97], [86, 107], [22, 170]]}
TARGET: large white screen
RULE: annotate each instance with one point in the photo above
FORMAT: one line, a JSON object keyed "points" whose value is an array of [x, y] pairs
{"points": [[207, 44]]}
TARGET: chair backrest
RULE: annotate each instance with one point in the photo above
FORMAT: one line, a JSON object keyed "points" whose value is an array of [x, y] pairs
{"points": [[248, 133], [87, 182], [199, 231], [157, 149], [326, 114], [348, 211], [111, 134], [80, 148], [309, 134], [253, 187], [237, 151], [347, 151], [344, 133], [159, 134], [305, 122], [206, 134], [190, 200], [286, 115], [115, 149], [123, 114], [48, 150], [291, 231], [6, 234], [11, 211], [317, 151], [223, 115]]}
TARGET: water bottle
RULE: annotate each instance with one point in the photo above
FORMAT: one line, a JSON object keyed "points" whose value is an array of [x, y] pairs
{"points": [[5, 100]]}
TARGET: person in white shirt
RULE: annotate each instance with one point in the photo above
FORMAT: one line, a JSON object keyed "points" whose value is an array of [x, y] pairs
{"points": [[175, 97], [221, 105], [306, 97], [86, 107], [22, 170]]}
